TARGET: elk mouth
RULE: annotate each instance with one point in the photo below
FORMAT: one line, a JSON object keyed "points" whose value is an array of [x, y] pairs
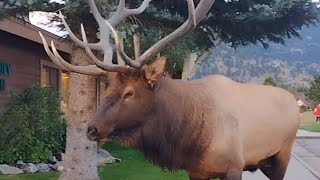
{"points": [[125, 132]]}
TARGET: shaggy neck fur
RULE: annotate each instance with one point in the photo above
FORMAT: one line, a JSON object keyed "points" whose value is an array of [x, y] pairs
{"points": [[176, 133]]}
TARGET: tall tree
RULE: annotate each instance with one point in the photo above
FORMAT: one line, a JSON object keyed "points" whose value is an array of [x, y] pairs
{"points": [[313, 93], [2, 12], [238, 23], [80, 154], [269, 82], [80, 161]]}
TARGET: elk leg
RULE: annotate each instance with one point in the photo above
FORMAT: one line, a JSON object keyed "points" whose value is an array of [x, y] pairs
{"points": [[233, 175], [282, 161], [268, 167], [279, 165]]}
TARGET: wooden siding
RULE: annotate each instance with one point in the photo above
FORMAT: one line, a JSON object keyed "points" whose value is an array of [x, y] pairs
{"points": [[24, 57]]}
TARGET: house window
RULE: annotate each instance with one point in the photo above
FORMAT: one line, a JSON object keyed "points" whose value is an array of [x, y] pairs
{"points": [[57, 80], [49, 77], [65, 89]]}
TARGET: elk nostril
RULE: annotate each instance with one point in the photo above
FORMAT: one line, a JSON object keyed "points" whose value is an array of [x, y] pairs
{"points": [[92, 133]]}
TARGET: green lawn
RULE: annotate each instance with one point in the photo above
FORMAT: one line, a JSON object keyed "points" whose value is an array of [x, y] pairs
{"points": [[39, 176], [314, 127], [132, 167]]}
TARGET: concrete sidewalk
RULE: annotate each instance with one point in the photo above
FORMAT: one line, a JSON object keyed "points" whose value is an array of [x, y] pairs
{"points": [[302, 134], [308, 151], [295, 171], [305, 159]]}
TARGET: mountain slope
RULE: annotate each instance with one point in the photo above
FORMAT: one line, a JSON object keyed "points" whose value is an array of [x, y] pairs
{"points": [[293, 64]]}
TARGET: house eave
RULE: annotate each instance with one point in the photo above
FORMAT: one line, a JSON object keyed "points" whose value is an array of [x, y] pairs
{"points": [[28, 31]]}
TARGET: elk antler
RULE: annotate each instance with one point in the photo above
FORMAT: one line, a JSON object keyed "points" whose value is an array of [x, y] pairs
{"points": [[58, 60], [106, 27], [195, 16]]}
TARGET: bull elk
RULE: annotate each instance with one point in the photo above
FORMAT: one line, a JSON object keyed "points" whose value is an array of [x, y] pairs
{"points": [[211, 127]]}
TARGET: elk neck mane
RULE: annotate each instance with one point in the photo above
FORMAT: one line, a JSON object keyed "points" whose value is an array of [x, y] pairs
{"points": [[176, 134]]}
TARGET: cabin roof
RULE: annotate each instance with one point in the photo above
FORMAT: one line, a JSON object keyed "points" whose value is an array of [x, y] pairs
{"points": [[305, 101], [31, 32]]}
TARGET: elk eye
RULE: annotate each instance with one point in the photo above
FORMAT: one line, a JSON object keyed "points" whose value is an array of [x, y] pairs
{"points": [[128, 94]]}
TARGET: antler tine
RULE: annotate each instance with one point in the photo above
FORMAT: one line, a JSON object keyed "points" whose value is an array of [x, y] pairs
{"points": [[48, 51], [94, 46], [140, 9], [122, 12], [89, 69], [123, 55], [106, 27], [102, 65], [191, 13], [58, 60], [195, 16], [96, 14]]}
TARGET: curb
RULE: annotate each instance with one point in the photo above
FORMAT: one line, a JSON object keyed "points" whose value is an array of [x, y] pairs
{"points": [[307, 137], [308, 167]]}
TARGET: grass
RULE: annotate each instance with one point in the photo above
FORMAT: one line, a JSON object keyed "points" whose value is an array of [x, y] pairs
{"points": [[132, 167], [314, 127], [38, 176]]}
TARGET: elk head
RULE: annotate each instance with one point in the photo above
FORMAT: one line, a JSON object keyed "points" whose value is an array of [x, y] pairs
{"points": [[129, 96], [128, 101]]}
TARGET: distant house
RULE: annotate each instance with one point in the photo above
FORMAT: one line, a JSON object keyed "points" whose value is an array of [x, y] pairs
{"points": [[304, 103], [24, 62]]}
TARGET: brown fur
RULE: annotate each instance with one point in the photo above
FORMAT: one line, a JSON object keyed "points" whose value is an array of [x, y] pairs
{"points": [[204, 126], [174, 136]]}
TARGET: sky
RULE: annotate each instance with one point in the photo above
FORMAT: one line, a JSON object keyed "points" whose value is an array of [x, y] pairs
{"points": [[40, 18]]}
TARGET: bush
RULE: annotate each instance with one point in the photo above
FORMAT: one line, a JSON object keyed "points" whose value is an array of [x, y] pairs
{"points": [[32, 129]]}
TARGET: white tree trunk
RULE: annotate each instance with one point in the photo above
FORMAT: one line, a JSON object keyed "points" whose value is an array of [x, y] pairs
{"points": [[119, 58], [192, 64], [137, 44], [189, 63], [81, 154]]}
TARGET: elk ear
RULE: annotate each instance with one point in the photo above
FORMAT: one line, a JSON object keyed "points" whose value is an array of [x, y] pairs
{"points": [[155, 70]]}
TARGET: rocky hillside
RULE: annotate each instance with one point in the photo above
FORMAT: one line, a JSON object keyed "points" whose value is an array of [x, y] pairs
{"points": [[293, 64]]}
